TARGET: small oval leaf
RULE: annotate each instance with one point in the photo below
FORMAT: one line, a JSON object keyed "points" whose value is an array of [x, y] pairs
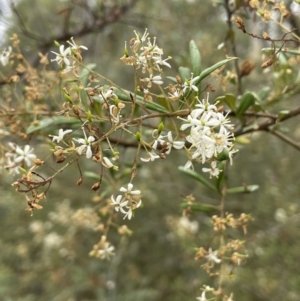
{"points": [[243, 189], [195, 58], [247, 101]]}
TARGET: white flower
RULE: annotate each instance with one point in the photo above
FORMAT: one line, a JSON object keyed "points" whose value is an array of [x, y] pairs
{"points": [[107, 252], [128, 214], [13, 167], [129, 190], [61, 134], [189, 84], [118, 203], [108, 164], [212, 256], [214, 170], [24, 155], [189, 164], [114, 113], [153, 79], [74, 46], [160, 61], [190, 122], [171, 143], [151, 157], [5, 55], [202, 297], [86, 146], [62, 56]]}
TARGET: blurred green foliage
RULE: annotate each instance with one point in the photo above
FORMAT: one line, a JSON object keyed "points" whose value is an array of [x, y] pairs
{"points": [[45, 257]]}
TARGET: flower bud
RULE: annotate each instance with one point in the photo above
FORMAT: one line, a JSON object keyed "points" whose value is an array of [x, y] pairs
{"points": [[138, 136], [68, 98], [160, 127]]}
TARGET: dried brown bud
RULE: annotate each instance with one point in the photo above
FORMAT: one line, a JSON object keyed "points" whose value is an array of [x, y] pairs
{"points": [[38, 162], [240, 24], [246, 68], [79, 182], [178, 79], [60, 159], [36, 206], [75, 110], [221, 109], [268, 63], [96, 186], [266, 36]]}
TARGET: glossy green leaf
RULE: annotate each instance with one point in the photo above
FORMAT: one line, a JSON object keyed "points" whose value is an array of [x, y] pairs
{"points": [[247, 101], [44, 123], [195, 58], [243, 189], [197, 177]]}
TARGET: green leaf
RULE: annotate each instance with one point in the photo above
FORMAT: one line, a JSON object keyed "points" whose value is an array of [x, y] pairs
{"points": [[184, 73], [197, 177], [214, 67], [195, 58], [243, 189], [139, 100], [172, 79], [247, 101], [271, 50], [264, 93], [199, 207], [282, 114], [165, 103], [228, 99], [50, 121]]}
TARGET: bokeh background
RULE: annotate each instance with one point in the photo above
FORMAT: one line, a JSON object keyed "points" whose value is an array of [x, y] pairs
{"points": [[45, 256]]}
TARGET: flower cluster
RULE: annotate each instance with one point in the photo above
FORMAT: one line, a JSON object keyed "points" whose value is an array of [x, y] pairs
{"points": [[147, 56], [163, 147], [210, 136], [127, 203], [18, 157], [63, 58]]}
